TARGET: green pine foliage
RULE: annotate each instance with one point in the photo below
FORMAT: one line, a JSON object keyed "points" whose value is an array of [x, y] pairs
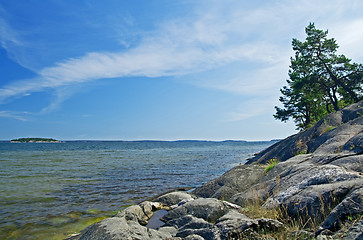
{"points": [[320, 81]]}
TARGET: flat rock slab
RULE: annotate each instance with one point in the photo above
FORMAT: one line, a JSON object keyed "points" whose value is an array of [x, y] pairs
{"points": [[174, 198], [117, 228], [209, 209]]}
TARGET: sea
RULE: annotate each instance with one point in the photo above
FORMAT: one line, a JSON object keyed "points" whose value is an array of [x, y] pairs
{"points": [[53, 190]]}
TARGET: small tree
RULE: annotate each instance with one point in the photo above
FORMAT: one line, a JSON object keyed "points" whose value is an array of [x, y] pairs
{"points": [[320, 80]]}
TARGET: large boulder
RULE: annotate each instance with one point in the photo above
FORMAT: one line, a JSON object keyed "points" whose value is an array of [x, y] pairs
{"points": [[189, 225], [118, 228], [129, 224], [236, 180], [174, 198], [235, 224], [209, 209], [310, 140], [215, 219]]}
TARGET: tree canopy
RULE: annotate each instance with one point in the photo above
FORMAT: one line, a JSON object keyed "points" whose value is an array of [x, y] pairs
{"points": [[26, 140], [320, 81]]}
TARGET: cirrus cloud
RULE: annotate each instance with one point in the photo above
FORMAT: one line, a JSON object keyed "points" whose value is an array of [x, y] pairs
{"points": [[214, 36]]}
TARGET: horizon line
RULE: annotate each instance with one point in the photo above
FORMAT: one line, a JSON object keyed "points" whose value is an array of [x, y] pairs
{"points": [[155, 140]]}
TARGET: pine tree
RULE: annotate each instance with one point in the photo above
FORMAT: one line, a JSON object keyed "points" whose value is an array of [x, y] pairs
{"points": [[320, 81]]}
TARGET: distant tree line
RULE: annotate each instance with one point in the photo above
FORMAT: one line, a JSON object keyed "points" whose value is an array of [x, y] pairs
{"points": [[34, 140], [320, 81]]}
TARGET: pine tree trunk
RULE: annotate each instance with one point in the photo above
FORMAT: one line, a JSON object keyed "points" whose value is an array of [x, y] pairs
{"points": [[337, 81]]}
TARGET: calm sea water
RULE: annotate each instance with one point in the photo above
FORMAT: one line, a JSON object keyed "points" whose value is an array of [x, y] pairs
{"points": [[49, 190]]}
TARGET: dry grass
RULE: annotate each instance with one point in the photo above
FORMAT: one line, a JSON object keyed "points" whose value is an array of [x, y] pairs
{"points": [[299, 227], [292, 227]]}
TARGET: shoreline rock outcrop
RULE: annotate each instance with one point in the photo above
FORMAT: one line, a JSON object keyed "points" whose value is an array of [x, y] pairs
{"points": [[191, 218], [318, 182], [340, 131]]}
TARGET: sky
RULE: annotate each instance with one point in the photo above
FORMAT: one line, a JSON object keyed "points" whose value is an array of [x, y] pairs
{"points": [[156, 70]]}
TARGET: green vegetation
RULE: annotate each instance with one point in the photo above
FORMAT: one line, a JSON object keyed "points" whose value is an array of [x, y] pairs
{"points": [[270, 164], [320, 81], [26, 140], [302, 152], [55, 227]]}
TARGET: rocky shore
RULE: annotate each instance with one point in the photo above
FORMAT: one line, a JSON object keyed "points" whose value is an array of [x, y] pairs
{"points": [[315, 192]]}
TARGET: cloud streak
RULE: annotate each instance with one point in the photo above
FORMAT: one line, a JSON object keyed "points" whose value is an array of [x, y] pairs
{"points": [[14, 115], [187, 46], [8, 36]]}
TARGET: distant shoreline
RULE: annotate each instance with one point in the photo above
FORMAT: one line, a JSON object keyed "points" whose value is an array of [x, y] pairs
{"points": [[35, 140], [142, 141]]}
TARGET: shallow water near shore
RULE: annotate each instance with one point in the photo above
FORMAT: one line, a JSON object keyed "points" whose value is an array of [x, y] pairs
{"points": [[49, 191]]}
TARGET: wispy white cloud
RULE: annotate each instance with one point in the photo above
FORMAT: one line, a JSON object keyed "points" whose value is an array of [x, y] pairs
{"points": [[219, 34], [60, 95], [8, 36], [14, 115], [244, 113], [21, 88], [252, 108]]}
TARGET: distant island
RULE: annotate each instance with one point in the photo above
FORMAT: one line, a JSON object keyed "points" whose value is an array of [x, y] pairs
{"points": [[35, 140]]}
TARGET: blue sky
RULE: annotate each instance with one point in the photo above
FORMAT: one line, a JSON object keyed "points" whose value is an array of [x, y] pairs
{"points": [[163, 70]]}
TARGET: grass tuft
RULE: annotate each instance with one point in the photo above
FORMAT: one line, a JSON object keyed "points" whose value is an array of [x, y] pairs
{"points": [[270, 164]]}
